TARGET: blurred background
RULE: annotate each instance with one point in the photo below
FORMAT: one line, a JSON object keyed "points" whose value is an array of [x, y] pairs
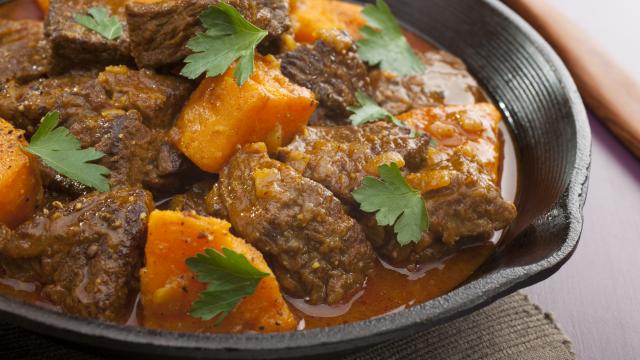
{"points": [[613, 23], [596, 296]]}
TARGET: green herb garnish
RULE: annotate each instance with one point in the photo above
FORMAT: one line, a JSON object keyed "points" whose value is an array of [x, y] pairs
{"points": [[395, 203], [228, 37], [229, 276], [370, 111], [384, 44], [100, 22], [60, 150]]}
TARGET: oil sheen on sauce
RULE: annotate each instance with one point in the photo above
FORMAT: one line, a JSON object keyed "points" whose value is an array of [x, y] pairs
{"points": [[387, 290], [390, 289]]}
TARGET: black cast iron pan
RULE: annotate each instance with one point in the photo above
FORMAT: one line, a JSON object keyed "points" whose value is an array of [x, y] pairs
{"points": [[549, 125]]}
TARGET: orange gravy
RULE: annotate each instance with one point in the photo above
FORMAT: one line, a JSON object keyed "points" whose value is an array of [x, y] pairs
{"points": [[387, 290]]}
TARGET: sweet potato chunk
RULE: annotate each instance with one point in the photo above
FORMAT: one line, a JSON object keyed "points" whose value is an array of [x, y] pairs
{"points": [[43, 5], [310, 17], [19, 178], [221, 115], [471, 130], [169, 288]]}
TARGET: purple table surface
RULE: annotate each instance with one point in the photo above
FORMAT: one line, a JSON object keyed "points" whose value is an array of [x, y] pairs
{"points": [[596, 296]]}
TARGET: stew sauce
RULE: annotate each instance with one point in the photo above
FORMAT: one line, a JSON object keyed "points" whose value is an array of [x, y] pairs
{"points": [[387, 289]]}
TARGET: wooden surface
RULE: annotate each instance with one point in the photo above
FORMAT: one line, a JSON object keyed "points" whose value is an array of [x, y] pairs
{"points": [[611, 94], [596, 296]]}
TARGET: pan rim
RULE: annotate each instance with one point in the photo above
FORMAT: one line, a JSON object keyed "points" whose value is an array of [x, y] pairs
{"points": [[344, 337]]}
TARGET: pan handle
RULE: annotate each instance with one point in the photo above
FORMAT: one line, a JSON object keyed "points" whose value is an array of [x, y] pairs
{"points": [[606, 87]]}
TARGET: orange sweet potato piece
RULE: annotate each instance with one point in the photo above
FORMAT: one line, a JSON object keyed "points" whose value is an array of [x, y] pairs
{"points": [[20, 183], [169, 288], [310, 17], [472, 130], [220, 115], [43, 5]]}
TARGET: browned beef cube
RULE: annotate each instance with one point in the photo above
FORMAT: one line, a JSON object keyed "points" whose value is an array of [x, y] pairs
{"points": [[316, 250], [445, 81], [470, 205], [134, 153], [86, 96], [160, 30], [24, 51], [332, 70], [193, 200], [86, 254], [270, 15], [25, 105], [75, 46], [339, 157], [469, 208], [158, 98], [124, 113]]}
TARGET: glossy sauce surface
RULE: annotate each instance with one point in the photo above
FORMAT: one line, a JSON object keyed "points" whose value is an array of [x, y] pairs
{"points": [[387, 289]]}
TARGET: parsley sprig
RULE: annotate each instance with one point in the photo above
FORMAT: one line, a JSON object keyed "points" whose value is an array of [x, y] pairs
{"points": [[230, 277], [370, 111], [60, 150], [384, 44], [99, 21], [395, 203], [228, 37]]}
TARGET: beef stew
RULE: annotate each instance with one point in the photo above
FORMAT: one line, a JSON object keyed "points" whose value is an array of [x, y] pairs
{"points": [[286, 187]]}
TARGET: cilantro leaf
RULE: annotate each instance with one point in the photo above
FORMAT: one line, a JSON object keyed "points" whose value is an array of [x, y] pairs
{"points": [[384, 44], [61, 151], [369, 111], [100, 22], [228, 37], [230, 277], [395, 203]]}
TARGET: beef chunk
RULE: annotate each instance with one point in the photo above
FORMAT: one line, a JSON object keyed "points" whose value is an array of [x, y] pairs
{"points": [[339, 157], [270, 15], [160, 30], [466, 202], [463, 203], [85, 96], [86, 254], [158, 98], [315, 249], [333, 71], [445, 81], [25, 105], [134, 153], [75, 46], [23, 49], [122, 112], [194, 199]]}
